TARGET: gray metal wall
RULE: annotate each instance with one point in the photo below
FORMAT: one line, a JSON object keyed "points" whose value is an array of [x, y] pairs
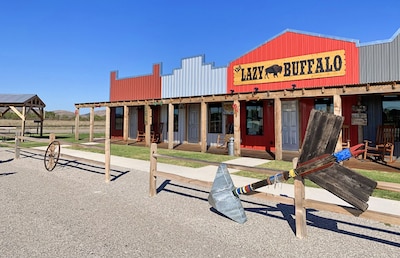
{"points": [[380, 61], [195, 78]]}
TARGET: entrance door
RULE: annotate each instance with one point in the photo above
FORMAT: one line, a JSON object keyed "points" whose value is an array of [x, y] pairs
{"points": [[194, 123], [290, 125], [133, 122]]}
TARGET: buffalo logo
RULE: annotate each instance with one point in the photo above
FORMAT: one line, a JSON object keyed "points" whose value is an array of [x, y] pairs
{"points": [[274, 69]]}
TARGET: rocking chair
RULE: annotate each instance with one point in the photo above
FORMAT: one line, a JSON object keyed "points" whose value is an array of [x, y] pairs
{"points": [[384, 144]]}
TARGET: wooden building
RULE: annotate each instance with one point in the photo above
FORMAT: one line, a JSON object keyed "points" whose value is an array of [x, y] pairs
{"points": [[263, 98]]}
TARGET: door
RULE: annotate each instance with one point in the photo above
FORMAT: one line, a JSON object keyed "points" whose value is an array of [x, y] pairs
{"points": [[290, 125], [133, 122], [194, 123]]}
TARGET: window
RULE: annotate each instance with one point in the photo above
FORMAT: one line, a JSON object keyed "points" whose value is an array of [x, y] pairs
{"points": [[119, 118], [215, 118], [391, 110], [324, 104], [176, 118], [254, 118]]}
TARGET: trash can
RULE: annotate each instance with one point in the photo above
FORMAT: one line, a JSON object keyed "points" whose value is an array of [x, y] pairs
{"points": [[230, 147]]}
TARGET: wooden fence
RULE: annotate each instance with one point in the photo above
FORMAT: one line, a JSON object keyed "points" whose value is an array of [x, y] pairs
{"points": [[52, 137], [299, 201]]}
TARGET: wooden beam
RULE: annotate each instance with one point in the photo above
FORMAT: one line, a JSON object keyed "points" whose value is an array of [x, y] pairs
{"points": [[16, 111], [236, 128], [107, 146], [153, 170], [278, 128], [337, 110], [77, 124], [126, 123], [148, 115], [300, 210], [203, 127], [91, 124]]}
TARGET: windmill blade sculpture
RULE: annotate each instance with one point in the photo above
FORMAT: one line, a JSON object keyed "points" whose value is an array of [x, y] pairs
{"points": [[316, 162]]}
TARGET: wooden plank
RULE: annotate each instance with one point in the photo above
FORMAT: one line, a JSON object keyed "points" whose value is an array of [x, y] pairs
{"points": [[266, 171], [321, 136], [388, 186], [373, 215], [184, 179]]}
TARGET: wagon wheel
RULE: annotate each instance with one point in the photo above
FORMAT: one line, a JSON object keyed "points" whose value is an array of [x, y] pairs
{"points": [[51, 156]]}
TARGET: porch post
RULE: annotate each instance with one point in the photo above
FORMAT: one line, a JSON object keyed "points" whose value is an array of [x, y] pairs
{"points": [[91, 124], [23, 120], [126, 123], [107, 145], [147, 121], [170, 126], [203, 126], [236, 127], [278, 128], [337, 110], [77, 124]]}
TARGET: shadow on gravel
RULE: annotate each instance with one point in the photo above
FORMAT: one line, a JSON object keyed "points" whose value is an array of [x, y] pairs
{"points": [[7, 174], [286, 212], [5, 161], [115, 174]]}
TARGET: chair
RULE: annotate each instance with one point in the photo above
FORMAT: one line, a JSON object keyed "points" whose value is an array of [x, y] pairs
{"points": [[384, 144], [141, 136], [156, 136], [345, 136]]}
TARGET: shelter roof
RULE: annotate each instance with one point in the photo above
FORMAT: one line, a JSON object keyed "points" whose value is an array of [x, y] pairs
{"points": [[20, 100]]}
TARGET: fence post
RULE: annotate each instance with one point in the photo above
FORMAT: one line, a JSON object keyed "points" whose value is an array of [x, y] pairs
{"points": [[17, 143], [300, 211], [153, 170]]}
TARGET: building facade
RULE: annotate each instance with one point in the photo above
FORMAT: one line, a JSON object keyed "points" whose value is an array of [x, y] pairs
{"points": [[263, 98]]}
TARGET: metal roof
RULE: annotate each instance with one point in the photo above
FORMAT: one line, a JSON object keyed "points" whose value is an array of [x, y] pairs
{"points": [[21, 100]]}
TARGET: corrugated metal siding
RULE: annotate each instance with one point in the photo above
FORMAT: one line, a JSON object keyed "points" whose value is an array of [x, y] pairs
{"points": [[136, 88], [291, 44], [380, 62], [194, 79]]}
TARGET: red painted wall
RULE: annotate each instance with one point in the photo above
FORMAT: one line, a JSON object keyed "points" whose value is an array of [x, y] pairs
{"points": [[136, 88], [292, 44]]}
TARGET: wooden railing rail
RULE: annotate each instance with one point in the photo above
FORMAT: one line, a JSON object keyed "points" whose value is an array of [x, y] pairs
{"points": [[299, 200]]}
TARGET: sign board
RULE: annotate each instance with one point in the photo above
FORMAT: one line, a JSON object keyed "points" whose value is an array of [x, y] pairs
{"points": [[359, 118], [312, 66]]}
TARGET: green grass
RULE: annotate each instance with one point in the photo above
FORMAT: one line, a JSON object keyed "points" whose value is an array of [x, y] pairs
{"points": [[143, 153]]}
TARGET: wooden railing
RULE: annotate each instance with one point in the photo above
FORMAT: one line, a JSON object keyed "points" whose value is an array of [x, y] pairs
{"points": [[299, 201]]}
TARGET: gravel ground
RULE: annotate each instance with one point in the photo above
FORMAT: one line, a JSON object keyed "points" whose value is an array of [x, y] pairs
{"points": [[72, 212]]}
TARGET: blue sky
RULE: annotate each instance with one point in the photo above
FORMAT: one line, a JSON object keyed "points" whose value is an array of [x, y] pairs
{"points": [[64, 50]]}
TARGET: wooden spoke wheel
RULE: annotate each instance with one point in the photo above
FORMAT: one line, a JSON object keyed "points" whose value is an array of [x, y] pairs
{"points": [[51, 156]]}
